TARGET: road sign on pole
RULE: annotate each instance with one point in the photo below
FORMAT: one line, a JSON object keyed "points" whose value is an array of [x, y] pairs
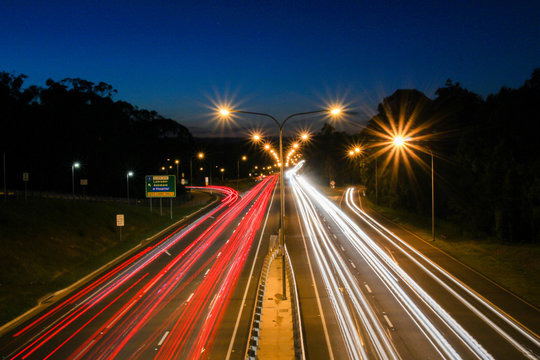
{"points": [[120, 223], [160, 186]]}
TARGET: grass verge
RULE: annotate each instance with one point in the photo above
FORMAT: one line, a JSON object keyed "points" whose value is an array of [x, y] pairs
{"points": [[513, 266], [48, 244]]}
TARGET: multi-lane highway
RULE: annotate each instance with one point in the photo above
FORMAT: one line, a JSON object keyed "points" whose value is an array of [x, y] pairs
{"points": [[367, 293], [183, 296]]}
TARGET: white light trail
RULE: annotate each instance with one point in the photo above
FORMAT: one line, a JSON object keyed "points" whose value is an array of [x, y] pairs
{"points": [[336, 274], [335, 271], [409, 251]]}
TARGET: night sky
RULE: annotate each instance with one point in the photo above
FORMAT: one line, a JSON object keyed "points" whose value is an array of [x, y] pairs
{"points": [[278, 57]]}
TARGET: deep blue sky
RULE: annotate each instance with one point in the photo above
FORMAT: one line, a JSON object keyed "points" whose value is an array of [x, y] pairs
{"points": [[278, 57]]}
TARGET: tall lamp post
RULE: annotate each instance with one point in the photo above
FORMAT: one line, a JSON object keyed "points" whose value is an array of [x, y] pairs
{"points": [[200, 156], [177, 162], [244, 158], [400, 141], [128, 175], [74, 166], [334, 112]]}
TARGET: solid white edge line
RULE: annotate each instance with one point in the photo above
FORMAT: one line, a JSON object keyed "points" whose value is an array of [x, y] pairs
{"points": [[249, 280]]}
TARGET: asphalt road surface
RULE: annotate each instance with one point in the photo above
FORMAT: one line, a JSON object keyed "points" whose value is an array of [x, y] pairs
{"points": [[365, 292], [186, 295]]}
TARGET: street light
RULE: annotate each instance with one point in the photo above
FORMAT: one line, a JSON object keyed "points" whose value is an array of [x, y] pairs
{"points": [[200, 156], [333, 112], [74, 166], [244, 158], [400, 141], [222, 170], [128, 175]]}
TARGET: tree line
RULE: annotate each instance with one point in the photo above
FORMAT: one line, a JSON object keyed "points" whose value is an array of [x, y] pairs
{"points": [[486, 157], [45, 130], [485, 151]]}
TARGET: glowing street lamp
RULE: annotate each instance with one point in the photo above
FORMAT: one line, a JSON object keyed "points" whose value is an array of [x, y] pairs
{"points": [[177, 162], [244, 158], [128, 175], [333, 112], [400, 142], [200, 156], [74, 166]]}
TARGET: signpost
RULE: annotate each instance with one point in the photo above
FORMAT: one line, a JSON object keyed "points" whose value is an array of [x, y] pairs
{"points": [[120, 223], [160, 186]]}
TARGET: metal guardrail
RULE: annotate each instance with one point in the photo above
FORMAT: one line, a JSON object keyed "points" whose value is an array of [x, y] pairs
{"points": [[255, 327], [299, 350], [253, 343]]}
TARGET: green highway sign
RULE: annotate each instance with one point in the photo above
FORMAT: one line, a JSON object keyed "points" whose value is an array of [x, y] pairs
{"points": [[160, 186]]}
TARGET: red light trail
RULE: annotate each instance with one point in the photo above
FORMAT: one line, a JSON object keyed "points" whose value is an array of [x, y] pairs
{"points": [[190, 321]]}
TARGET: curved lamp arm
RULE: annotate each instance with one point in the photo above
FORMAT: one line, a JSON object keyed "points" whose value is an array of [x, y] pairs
{"points": [[258, 114]]}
